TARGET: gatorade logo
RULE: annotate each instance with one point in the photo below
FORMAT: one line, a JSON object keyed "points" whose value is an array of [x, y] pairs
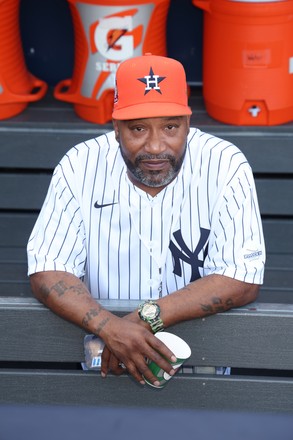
{"points": [[116, 36], [114, 33]]}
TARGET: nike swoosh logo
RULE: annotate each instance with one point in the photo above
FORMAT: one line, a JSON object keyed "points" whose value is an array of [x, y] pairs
{"points": [[97, 205]]}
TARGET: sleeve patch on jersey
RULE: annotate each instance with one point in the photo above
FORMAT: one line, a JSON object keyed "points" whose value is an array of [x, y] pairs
{"points": [[251, 252]]}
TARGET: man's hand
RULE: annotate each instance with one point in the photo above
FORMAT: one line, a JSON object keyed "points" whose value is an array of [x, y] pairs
{"points": [[130, 343]]}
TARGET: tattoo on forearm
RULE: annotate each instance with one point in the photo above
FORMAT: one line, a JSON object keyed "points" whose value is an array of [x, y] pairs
{"points": [[217, 306], [61, 288], [101, 326], [229, 302], [44, 291], [92, 313]]}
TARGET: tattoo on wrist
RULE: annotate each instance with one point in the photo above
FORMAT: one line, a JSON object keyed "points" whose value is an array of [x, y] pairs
{"points": [[101, 326], [92, 313]]}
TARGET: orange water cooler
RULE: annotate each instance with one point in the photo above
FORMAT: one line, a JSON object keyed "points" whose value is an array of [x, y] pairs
{"points": [[248, 60], [106, 33], [18, 86]]}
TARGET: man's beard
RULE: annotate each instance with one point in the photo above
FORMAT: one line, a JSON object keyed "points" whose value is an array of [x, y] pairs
{"points": [[154, 178]]}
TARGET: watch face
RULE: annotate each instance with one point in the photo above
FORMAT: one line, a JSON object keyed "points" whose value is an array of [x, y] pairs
{"points": [[150, 311]]}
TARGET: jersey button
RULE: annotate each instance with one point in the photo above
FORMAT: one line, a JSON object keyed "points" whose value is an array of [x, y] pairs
{"points": [[154, 282]]}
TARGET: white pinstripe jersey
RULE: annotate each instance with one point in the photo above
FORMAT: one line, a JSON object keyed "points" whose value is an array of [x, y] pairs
{"points": [[126, 244]]}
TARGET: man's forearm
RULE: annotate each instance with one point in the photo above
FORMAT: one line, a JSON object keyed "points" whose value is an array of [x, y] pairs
{"points": [[207, 296], [125, 341], [69, 298]]}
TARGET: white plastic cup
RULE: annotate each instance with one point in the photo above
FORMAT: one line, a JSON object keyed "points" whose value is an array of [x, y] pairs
{"points": [[180, 349]]}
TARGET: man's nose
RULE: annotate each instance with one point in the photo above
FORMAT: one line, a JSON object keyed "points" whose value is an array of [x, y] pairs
{"points": [[155, 143]]}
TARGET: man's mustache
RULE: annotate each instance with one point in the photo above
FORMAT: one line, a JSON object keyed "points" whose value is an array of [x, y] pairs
{"points": [[142, 157]]}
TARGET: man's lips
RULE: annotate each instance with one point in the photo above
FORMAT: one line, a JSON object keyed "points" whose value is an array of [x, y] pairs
{"points": [[154, 164]]}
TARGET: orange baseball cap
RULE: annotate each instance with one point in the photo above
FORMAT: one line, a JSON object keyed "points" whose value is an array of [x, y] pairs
{"points": [[150, 86]]}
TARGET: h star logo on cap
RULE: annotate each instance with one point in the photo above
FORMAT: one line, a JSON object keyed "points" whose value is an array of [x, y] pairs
{"points": [[152, 82]]}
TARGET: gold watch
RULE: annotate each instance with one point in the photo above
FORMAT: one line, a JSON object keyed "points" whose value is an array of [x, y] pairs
{"points": [[149, 311]]}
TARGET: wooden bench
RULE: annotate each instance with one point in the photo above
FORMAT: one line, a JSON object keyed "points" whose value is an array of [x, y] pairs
{"points": [[40, 355]]}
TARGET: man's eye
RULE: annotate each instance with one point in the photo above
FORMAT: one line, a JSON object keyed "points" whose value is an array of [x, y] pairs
{"points": [[136, 128]]}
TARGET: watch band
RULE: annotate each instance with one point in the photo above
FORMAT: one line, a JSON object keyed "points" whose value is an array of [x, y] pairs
{"points": [[157, 325]]}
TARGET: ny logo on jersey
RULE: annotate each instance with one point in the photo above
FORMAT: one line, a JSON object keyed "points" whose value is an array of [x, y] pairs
{"points": [[183, 253], [152, 82]]}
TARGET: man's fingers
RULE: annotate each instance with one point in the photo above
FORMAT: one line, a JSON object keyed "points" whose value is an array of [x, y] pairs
{"points": [[115, 366], [106, 355], [139, 368], [142, 374], [163, 350], [160, 354]]}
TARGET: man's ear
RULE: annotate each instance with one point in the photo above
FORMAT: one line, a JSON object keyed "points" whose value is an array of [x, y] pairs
{"points": [[116, 129]]}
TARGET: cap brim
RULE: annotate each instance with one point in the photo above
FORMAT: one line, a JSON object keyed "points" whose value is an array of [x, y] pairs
{"points": [[151, 110]]}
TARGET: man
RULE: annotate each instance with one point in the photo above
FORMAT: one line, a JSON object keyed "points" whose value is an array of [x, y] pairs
{"points": [[154, 210]]}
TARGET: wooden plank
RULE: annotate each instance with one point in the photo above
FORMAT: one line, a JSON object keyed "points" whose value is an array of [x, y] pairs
{"points": [[268, 294], [267, 152], [278, 234], [14, 281], [15, 228], [23, 191], [32, 144], [195, 392], [279, 278], [41, 135], [275, 260], [15, 289], [40, 148], [278, 283], [57, 340], [18, 145], [13, 271], [275, 196], [13, 255], [27, 191], [271, 295]]}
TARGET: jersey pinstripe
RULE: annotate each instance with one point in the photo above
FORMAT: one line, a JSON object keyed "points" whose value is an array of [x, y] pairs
{"points": [[126, 244]]}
